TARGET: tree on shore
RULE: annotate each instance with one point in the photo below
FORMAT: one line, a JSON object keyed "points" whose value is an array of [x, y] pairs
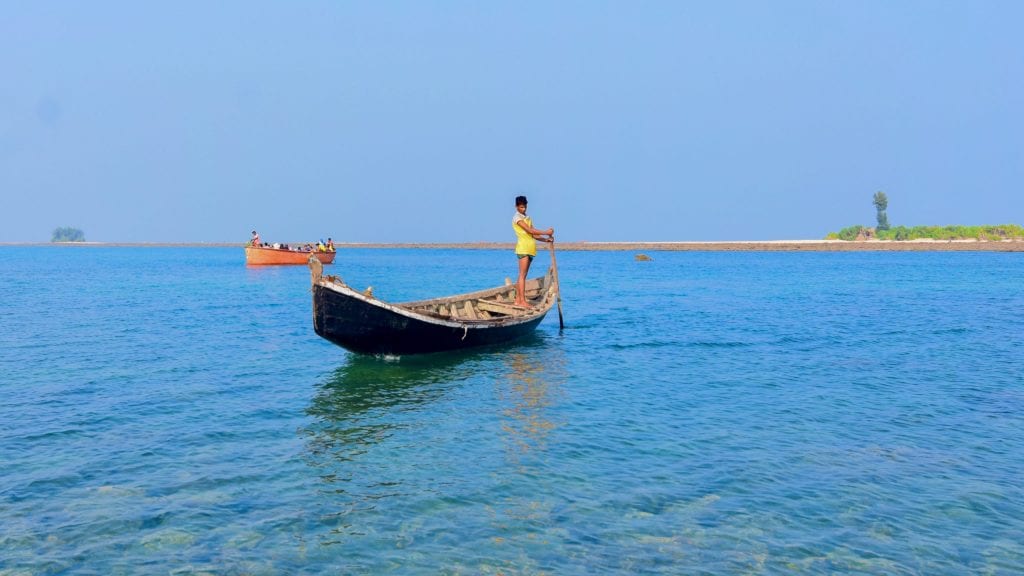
{"points": [[881, 202], [67, 234]]}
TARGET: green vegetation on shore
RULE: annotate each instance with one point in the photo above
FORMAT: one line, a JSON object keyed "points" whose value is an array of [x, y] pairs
{"points": [[999, 232], [67, 234], [884, 232]]}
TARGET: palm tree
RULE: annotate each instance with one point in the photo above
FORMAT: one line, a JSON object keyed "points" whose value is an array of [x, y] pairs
{"points": [[881, 202]]}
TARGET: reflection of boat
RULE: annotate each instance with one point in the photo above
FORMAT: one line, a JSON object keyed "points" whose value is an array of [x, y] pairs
{"points": [[259, 256], [363, 400], [364, 383], [361, 323], [386, 437]]}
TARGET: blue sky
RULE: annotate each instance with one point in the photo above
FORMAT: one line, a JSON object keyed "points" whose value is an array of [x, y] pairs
{"points": [[421, 121]]}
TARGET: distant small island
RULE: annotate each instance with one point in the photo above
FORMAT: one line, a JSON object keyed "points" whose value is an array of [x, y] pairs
{"points": [[903, 233], [67, 234]]}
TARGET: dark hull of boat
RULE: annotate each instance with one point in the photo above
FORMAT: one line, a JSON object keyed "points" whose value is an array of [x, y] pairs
{"points": [[367, 328]]}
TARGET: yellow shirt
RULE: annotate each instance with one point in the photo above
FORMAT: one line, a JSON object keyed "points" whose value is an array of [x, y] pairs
{"points": [[525, 244]]}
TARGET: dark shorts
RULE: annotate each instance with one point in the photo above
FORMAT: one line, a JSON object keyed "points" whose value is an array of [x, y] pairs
{"points": [[521, 256]]}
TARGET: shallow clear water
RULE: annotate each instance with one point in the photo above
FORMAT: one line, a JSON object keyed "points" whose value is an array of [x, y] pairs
{"points": [[168, 410]]}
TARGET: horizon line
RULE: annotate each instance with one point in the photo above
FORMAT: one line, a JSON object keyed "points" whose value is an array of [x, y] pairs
{"points": [[823, 245]]}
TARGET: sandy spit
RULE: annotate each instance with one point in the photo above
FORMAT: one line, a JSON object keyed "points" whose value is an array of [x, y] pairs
{"points": [[730, 246]]}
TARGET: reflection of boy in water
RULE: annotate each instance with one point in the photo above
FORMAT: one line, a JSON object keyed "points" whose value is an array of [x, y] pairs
{"points": [[526, 246], [530, 391]]}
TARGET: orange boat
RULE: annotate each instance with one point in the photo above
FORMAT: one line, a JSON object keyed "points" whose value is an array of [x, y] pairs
{"points": [[272, 256]]}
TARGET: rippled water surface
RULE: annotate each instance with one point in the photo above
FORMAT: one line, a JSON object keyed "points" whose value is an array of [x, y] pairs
{"points": [[168, 410]]}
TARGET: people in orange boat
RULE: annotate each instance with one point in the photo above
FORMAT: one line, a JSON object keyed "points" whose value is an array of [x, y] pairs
{"points": [[255, 240]]}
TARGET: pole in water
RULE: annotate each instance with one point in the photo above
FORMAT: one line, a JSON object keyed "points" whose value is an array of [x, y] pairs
{"points": [[558, 287]]}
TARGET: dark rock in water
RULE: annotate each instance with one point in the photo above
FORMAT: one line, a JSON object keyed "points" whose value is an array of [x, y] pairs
{"points": [[643, 257]]}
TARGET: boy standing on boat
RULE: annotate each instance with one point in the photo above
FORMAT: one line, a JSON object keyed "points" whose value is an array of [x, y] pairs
{"points": [[526, 246]]}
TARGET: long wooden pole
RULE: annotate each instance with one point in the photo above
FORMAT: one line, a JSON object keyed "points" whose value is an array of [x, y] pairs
{"points": [[558, 287]]}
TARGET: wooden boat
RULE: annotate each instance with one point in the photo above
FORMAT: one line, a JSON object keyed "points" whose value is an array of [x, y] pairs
{"points": [[361, 323], [260, 256]]}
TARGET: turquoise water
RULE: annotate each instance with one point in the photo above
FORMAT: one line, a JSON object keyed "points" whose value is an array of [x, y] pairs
{"points": [[168, 410]]}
